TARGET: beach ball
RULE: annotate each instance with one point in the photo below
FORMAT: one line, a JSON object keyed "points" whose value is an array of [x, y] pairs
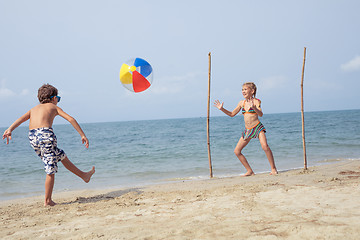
{"points": [[136, 75]]}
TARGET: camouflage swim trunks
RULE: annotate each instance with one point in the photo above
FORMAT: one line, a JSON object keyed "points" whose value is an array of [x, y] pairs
{"points": [[44, 142]]}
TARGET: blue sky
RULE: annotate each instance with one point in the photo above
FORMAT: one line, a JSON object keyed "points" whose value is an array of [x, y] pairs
{"points": [[79, 47]]}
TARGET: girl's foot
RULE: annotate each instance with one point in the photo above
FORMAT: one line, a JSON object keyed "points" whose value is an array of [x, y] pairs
{"points": [[248, 173], [51, 203], [274, 172]]}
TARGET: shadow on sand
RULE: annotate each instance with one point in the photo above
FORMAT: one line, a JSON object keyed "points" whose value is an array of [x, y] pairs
{"points": [[106, 196]]}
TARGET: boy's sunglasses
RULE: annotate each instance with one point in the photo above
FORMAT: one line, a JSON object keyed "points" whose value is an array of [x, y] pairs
{"points": [[58, 98]]}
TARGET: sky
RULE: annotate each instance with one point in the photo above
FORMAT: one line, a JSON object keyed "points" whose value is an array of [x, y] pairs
{"points": [[79, 47]]}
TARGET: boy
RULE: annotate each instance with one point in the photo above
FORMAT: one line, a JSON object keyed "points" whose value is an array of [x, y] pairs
{"points": [[43, 139]]}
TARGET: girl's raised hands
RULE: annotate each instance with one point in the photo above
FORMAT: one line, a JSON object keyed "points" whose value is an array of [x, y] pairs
{"points": [[218, 104], [250, 101]]}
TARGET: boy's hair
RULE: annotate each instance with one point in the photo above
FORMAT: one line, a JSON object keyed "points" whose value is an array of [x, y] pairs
{"points": [[252, 86], [45, 93]]}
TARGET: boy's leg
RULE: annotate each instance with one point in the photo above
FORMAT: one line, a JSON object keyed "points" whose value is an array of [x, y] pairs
{"points": [[239, 147], [268, 152], [49, 185], [86, 176]]}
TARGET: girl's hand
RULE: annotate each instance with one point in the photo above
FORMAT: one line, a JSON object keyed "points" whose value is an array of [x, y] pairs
{"points": [[251, 102], [218, 104]]}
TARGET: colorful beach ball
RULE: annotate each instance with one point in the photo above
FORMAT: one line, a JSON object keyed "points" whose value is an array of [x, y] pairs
{"points": [[136, 75]]}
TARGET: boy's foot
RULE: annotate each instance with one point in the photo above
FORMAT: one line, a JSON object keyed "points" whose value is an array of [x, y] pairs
{"points": [[248, 174], [50, 203], [88, 175], [274, 172]]}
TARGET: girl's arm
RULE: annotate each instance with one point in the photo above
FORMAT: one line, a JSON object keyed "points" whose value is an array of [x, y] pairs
{"points": [[75, 124], [18, 122], [227, 112]]}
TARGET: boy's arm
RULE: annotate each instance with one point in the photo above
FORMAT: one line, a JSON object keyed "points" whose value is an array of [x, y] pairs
{"points": [[75, 124], [18, 122]]}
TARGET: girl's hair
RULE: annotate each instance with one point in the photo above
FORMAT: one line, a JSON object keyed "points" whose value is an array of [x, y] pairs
{"points": [[45, 93], [252, 86]]}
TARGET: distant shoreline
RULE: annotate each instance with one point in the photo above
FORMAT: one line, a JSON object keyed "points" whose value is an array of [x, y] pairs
{"points": [[159, 119]]}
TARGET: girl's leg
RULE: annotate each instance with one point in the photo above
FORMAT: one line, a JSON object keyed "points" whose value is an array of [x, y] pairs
{"points": [[239, 147], [49, 185], [268, 152], [72, 168]]}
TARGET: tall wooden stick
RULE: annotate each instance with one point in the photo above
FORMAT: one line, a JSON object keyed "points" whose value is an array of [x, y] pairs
{"points": [[208, 118], [302, 110]]}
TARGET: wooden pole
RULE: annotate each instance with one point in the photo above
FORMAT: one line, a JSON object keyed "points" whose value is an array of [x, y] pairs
{"points": [[302, 110], [208, 118]]}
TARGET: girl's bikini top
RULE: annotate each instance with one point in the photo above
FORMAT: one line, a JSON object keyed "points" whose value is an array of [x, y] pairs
{"points": [[252, 111], [243, 111]]}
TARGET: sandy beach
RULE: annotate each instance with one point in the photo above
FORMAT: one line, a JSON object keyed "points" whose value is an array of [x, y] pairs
{"points": [[320, 203]]}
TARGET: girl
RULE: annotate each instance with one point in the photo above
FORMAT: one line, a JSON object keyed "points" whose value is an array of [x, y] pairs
{"points": [[251, 110]]}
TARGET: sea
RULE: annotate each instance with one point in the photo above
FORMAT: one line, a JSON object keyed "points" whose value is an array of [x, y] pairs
{"points": [[138, 153]]}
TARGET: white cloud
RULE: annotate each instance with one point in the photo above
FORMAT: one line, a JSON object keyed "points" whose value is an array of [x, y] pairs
{"points": [[273, 82], [352, 65], [177, 84], [24, 92], [6, 92]]}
